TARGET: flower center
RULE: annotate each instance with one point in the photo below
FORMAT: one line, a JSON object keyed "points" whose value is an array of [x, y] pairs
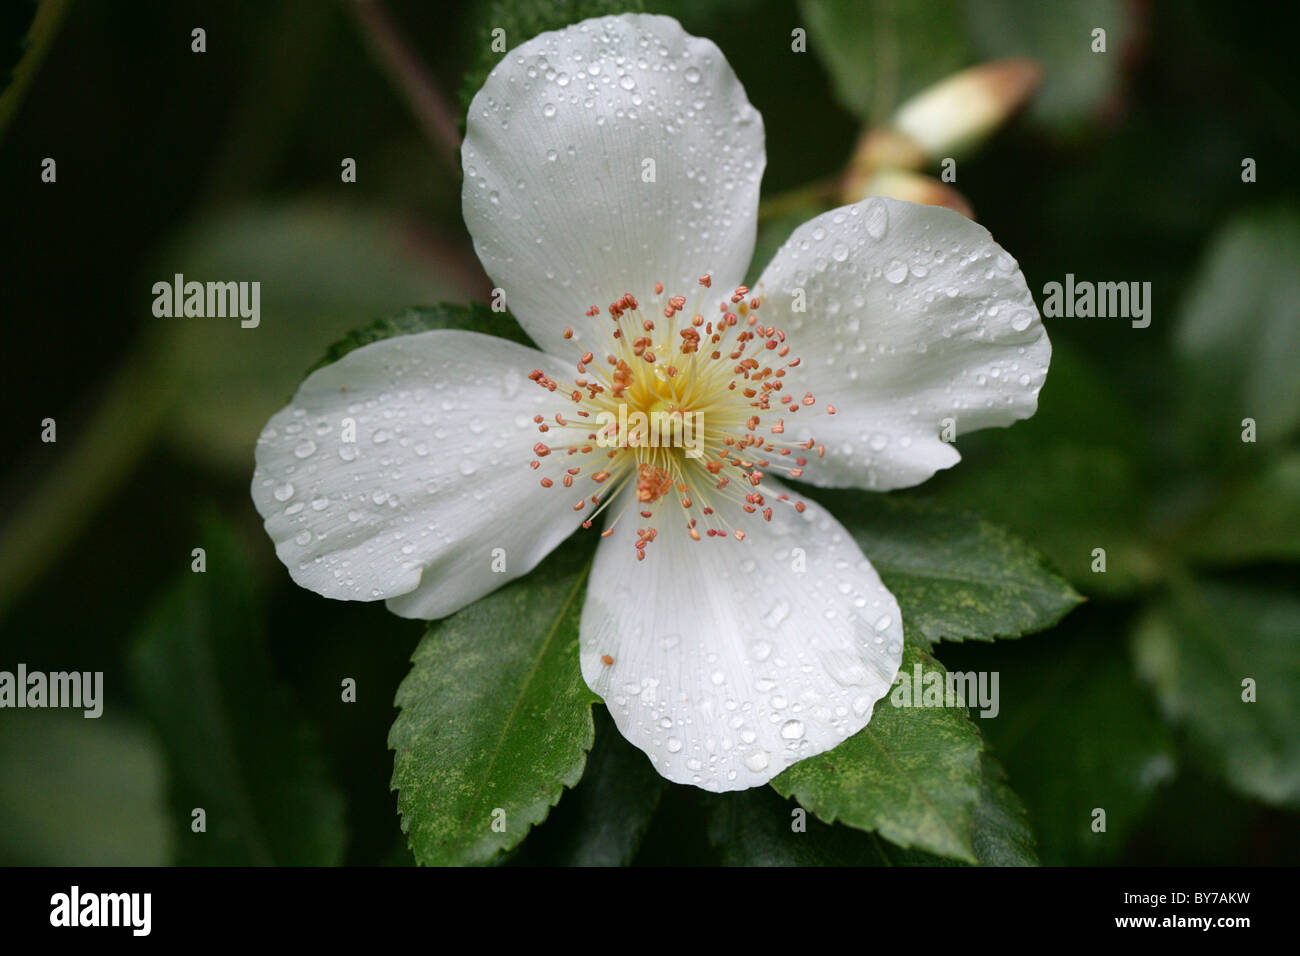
{"points": [[687, 409]]}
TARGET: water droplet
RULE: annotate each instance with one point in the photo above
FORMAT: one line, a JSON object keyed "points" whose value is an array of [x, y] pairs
{"points": [[304, 537], [692, 75], [876, 218], [627, 82], [467, 467], [306, 449], [792, 729], [283, 492], [1022, 320], [758, 761], [674, 745], [839, 252], [778, 613], [548, 110], [896, 271]]}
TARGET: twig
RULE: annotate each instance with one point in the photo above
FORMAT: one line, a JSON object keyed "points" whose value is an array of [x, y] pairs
{"points": [[428, 104]]}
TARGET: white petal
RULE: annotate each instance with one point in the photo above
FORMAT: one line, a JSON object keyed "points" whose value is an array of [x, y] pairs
{"points": [[914, 316], [728, 663], [555, 158], [435, 480]]}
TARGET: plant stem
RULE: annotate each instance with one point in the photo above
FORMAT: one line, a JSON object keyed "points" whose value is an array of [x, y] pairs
{"points": [[430, 107], [105, 449]]}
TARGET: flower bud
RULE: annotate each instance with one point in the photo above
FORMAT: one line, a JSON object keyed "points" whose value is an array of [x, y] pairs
{"points": [[906, 185], [885, 148], [960, 112]]}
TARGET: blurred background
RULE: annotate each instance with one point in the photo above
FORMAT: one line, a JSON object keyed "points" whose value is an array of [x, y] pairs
{"points": [[223, 690]]}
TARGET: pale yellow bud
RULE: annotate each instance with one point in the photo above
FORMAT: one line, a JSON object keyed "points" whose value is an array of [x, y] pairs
{"points": [[884, 148], [960, 112], [907, 185]]}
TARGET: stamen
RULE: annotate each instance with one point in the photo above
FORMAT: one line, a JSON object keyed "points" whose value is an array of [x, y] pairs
{"points": [[718, 387]]}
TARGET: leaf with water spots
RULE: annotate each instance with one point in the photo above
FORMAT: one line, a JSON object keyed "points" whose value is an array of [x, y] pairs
{"points": [[495, 717]]}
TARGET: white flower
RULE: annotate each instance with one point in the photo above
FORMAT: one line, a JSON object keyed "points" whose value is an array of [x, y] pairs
{"points": [[754, 633]]}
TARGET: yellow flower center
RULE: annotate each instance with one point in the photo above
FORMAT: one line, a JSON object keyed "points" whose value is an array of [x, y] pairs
{"points": [[682, 406]]}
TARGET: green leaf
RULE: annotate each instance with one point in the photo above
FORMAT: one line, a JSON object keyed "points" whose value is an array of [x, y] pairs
{"points": [[236, 745], [756, 828], [79, 792], [956, 576], [324, 269], [602, 822], [522, 20], [1067, 501], [495, 717], [1258, 521], [1198, 649], [474, 317], [879, 54], [1079, 82], [1002, 834], [1239, 333], [1065, 480], [912, 774], [1078, 733]]}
